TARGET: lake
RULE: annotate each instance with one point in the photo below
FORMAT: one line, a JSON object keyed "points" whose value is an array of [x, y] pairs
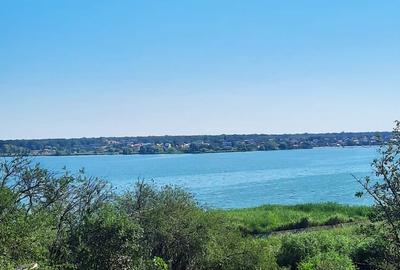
{"points": [[236, 180]]}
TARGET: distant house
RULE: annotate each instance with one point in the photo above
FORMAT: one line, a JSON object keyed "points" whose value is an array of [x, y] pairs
{"points": [[136, 147]]}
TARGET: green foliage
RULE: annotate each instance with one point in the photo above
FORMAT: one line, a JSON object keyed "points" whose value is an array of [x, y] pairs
{"points": [[184, 235], [26, 239], [374, 252], [159, 264], [38, 209], [384, 188], [267, 218], [6, 263], [327, 261], [227, 249], [296, 248], [107, 239], [174, 227]]}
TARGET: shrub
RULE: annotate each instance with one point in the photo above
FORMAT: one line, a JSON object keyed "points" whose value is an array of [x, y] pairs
{"points": [[384, 189], [25, 239], [107, 239], [227, 249], [174, 227], [296, 248], [374, 252], [327, 261], [159, 264]]}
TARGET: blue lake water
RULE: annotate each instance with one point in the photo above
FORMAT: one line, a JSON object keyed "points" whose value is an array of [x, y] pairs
{"points": [[235, 180]]}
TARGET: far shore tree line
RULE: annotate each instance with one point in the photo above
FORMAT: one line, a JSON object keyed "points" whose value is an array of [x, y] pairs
{"points": [[188, 144]]}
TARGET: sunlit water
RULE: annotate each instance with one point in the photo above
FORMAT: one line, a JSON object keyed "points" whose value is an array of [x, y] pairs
{"points": [[235, 180]]}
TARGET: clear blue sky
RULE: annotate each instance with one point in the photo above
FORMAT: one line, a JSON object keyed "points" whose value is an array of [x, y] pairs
{"points": [[120, 68]]}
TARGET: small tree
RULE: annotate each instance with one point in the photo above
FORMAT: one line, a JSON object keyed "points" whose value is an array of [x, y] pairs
{"points": [[174, 227], [39, 209], [384, 188]]}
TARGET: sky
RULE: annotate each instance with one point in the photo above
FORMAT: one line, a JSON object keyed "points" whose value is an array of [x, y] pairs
{"points": [[73, 68]]}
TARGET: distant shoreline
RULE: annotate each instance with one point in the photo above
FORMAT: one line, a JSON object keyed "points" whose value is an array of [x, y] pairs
{"points": [[185, 153], [197, 144]]}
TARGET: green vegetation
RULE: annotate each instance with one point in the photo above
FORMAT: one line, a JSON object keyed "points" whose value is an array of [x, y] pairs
{"points": [[187, 144], [327, 261], [301, 247], [384, 188], [269, 218], [350, 247]]}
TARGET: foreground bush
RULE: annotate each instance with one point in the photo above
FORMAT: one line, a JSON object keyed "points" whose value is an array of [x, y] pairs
{"points": [[227, 249], [174, 227], [375, 252], [327, 261], [297, 248], [107, 239]]}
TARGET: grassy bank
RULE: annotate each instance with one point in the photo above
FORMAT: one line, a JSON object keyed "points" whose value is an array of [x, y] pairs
{"points": [[268, 218]]}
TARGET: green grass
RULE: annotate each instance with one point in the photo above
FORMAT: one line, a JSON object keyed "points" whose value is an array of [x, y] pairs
{"points": [[269, 218]]}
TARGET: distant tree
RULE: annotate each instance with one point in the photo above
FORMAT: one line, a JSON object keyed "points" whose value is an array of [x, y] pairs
{"points": [[147, 149], [194, 148]]}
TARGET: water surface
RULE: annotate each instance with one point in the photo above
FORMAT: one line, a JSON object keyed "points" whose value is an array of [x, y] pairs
{"points": [[243, 179]]}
